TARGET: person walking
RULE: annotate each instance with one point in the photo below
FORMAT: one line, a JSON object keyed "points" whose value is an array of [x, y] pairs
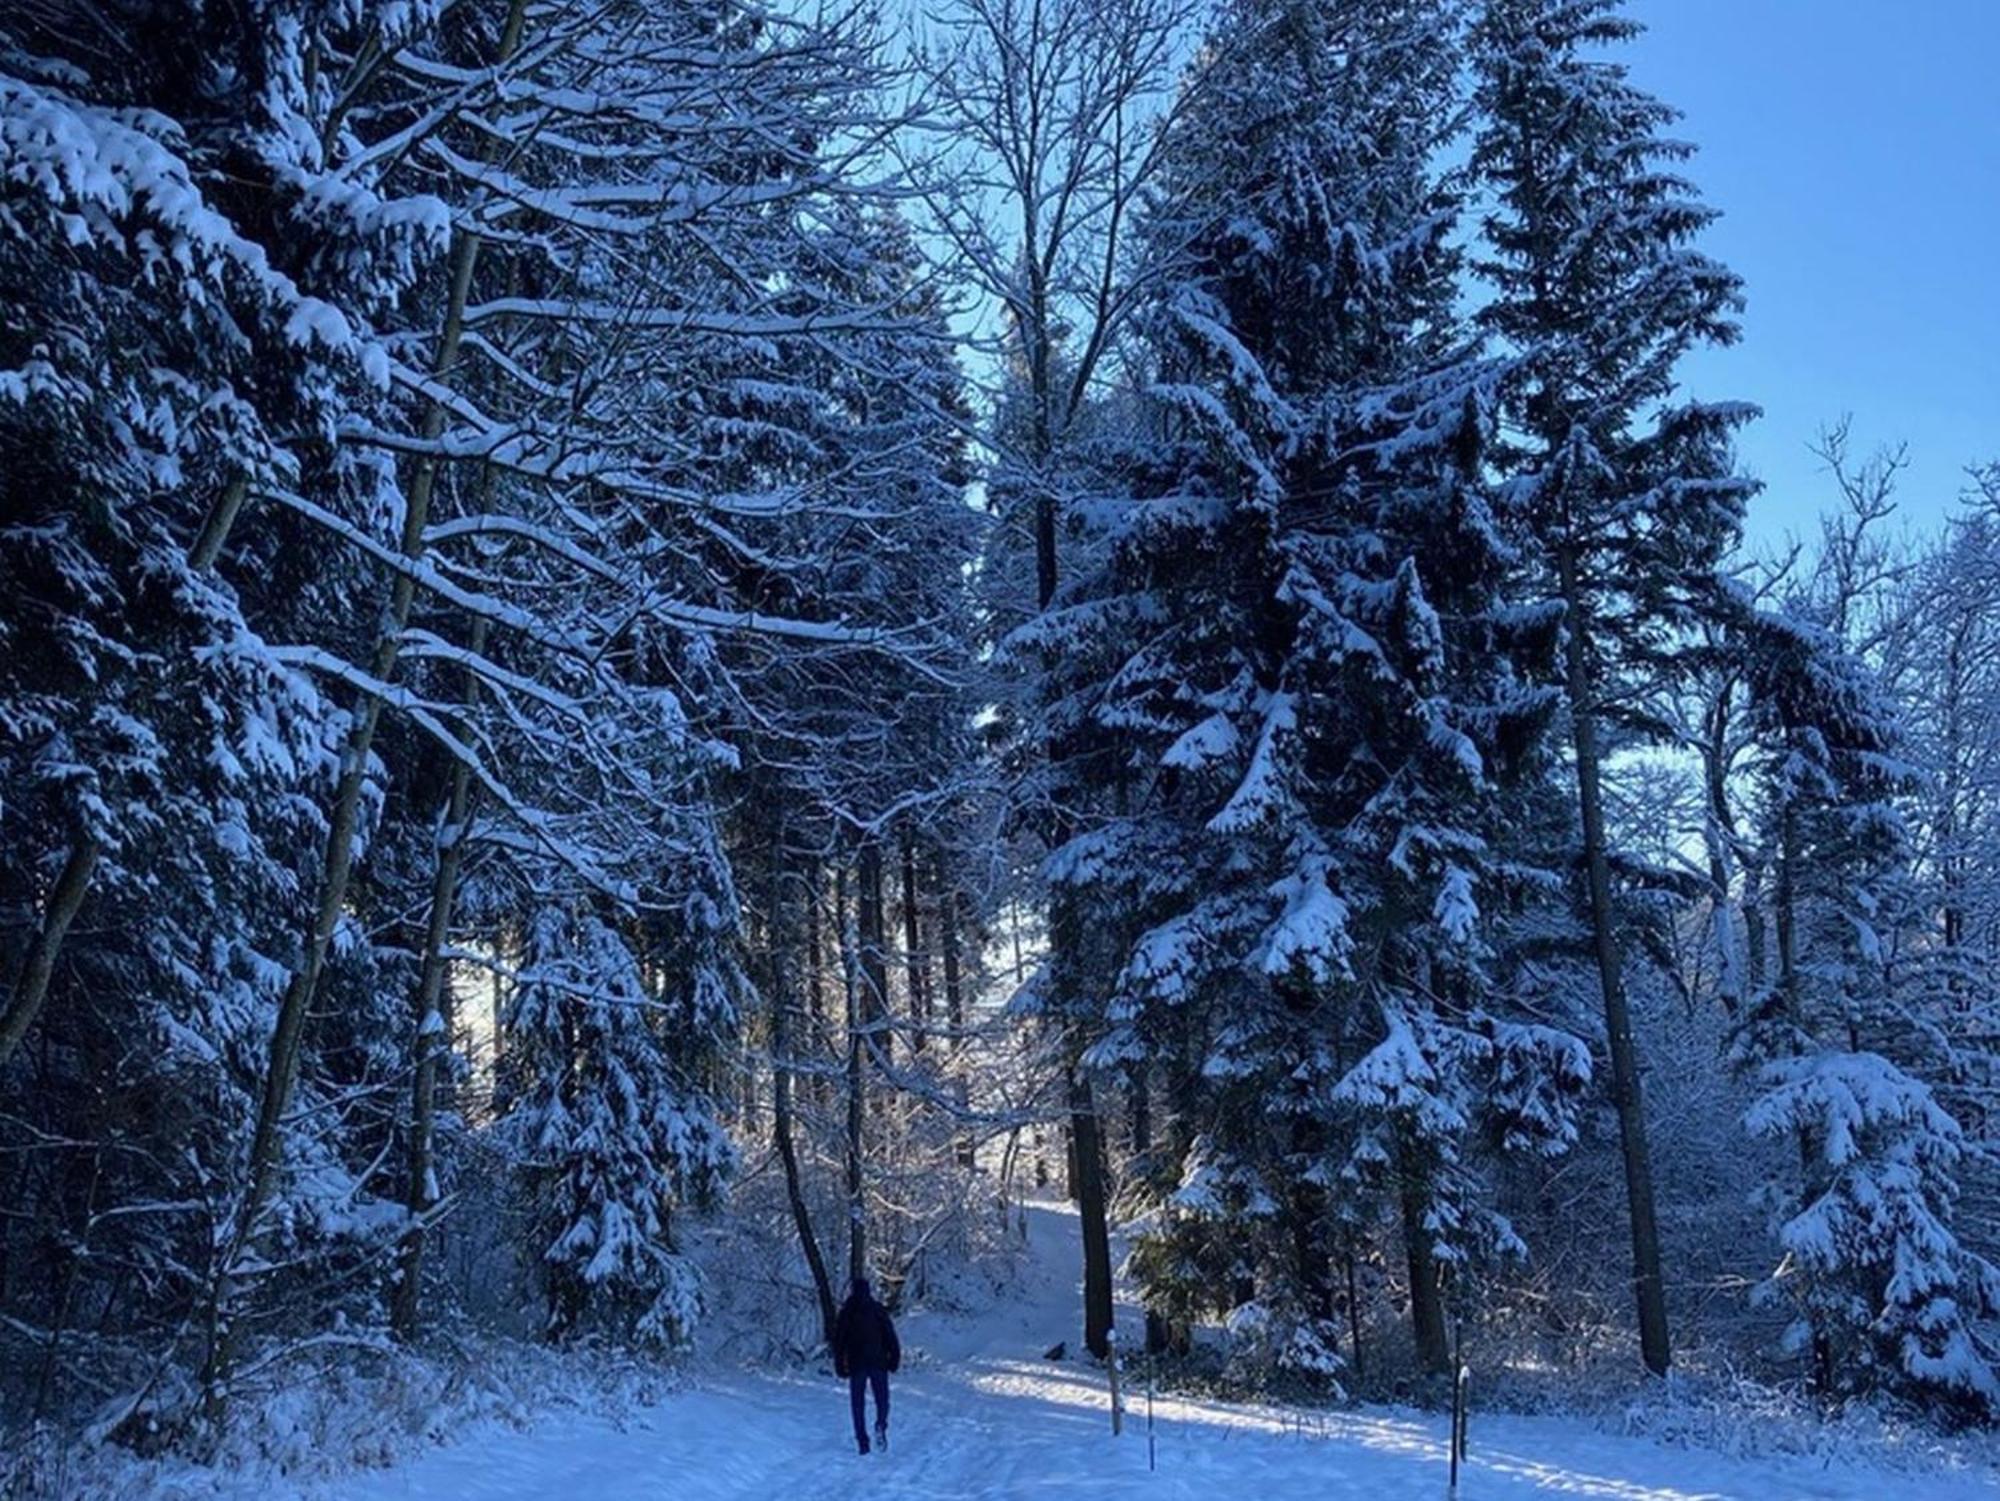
{"points": [[866, 1351]]}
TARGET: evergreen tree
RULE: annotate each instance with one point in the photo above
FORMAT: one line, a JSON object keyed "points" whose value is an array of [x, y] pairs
{"points": [[1295, 674], [186, 295], [612, 1127], [1624, 502]]}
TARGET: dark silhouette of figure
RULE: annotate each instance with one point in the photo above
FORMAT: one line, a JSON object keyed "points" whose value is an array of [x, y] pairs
{"points": [[866, 1351]]}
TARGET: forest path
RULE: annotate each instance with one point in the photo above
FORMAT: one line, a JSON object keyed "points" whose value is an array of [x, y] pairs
{"points": [[977, 1413]]}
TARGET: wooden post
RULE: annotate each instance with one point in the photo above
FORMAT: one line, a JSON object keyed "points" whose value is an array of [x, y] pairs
{"points": [[1151, 1452]]}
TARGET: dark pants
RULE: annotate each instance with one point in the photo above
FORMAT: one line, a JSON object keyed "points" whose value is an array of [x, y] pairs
{"points": [[857, 1394]]}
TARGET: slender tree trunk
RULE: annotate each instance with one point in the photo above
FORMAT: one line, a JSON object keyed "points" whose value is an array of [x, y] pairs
{"points": [[954, 1009], [1785, 913], [59, 909], [916, 963], [954, 979], [1951, 860], [1354, 1316], [1756, 962], [1063, 938], [499, 1007], [1312, 1261], [1312, 1257], [1722, 848], [874, 951], [433, 1038], [215, 529], [338, 857], [780, 935], [788, 1154], [1086, 1146], [1045, 546], [857, 1208], [1648, 1285], [819, 1023], [1311, 1251]]}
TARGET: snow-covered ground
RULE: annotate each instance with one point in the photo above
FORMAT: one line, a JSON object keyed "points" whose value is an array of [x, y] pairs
{"points": [[979, 1414]]}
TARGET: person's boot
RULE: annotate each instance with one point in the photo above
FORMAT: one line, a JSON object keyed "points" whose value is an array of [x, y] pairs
{"points": [[882, 1437], [863, 1441]]}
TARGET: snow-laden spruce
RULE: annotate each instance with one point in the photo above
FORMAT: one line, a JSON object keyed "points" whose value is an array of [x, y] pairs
{"points": [[1293, 694], [1622, 492]]}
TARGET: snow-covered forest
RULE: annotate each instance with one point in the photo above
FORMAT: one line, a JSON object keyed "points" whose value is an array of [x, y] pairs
{"points": [[655, 653]]}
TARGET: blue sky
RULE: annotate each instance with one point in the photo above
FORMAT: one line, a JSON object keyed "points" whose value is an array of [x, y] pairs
{"points": [[1854, 149]]}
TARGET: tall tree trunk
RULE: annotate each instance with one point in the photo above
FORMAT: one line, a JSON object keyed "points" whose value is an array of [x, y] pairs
{"points": [[1063, 935], [1648, 1285], [498, 1002], [433, 1033], [954, 1008], [1951, 861], [1311, 1251], [788, 1154], [857, 1209], [780, 936], [815, 953], [1312, 1255], [1784, 902], [874, 952], [1091, 1208], [916, 963], [1756, 962], [950, 941], [1086, 1146]]}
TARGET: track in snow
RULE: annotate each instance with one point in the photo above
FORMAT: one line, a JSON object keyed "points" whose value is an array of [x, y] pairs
{"points": [[977, 1414]]}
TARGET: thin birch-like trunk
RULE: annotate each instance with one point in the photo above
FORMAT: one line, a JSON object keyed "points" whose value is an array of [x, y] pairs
{"points": [[432, 1040]]}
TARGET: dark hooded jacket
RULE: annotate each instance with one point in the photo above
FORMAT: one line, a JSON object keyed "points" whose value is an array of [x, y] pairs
{"points": [[864, 1337]]}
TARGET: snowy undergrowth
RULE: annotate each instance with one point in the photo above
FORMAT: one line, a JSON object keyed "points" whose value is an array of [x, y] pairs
{"points": [[348, 1416], [1712, 1411], [1747, 1419], [1738, 1416]]}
